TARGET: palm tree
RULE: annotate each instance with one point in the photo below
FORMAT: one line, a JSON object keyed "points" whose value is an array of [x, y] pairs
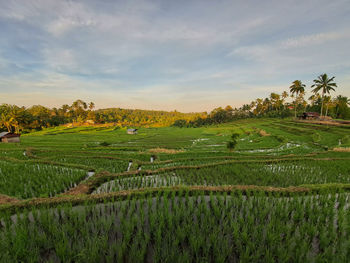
{"points": [[79, 108], [284, 95], [297, 87], [313, 99], [258, 106], [91, 106], [327, 101], [325, 84], [341, 104], [7, 121]]}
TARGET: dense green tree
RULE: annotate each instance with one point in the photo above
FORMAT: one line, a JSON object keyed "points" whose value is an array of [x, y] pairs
{"points": [[233, 142], [342, 109], [218, 115]]}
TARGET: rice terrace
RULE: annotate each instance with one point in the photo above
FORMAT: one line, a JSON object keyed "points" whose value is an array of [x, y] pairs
{"points": [[174, 131], [285, 194]]}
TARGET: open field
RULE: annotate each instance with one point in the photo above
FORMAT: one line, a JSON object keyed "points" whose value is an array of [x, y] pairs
{"points": [[177, 194]]}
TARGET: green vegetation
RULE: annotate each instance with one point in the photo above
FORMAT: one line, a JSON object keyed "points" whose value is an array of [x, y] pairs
{"points": [[233, 142], [21, 119], [282, 173], [24, 180], [180, 227], [177, 194]]}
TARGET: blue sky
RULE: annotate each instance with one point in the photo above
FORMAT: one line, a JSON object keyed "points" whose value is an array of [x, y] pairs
{"points": [[183, 55]]}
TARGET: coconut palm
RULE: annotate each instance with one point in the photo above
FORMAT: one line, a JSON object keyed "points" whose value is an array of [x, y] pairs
{"points": [[258, 107], [284, 96], [325, 84], [313, 99], [341, 105], [297, 88], [7, 121], [91, 106], [327, 101]]}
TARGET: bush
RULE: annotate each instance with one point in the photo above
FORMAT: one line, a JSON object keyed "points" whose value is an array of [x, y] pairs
{"points": [[105, 144], [231, 145], [316, 137], [180, 123], [234, 136], [345, 139]]}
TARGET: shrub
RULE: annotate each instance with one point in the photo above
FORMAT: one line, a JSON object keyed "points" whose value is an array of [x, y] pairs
{"points": [[105, 144]]}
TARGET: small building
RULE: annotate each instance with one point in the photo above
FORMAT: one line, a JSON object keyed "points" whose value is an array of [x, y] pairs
{"points": [[310, 116], [131, 131], [9, 137], [90, 122]]}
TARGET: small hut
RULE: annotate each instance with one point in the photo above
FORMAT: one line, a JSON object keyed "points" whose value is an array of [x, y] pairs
{"points": [[90, 122], [132, 131], [310, 116], [9, 137]]}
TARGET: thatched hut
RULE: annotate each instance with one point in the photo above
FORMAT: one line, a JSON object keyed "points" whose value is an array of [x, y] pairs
{"points": [[131, 131], [9, 137], [310, 116]]}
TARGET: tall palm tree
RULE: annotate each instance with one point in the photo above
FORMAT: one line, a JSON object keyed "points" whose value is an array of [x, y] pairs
{"points": [[313, 99], [325, 84], [297, 87], [284, 96], [327, 101], [91, 106], [259, 106]]}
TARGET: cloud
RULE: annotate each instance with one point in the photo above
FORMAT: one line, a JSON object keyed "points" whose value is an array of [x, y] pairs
{"points": [[314, 39], [170, 54], [306, 52], [65, 24]]}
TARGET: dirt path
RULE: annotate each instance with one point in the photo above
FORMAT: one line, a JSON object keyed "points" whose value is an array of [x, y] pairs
{"points": [[4, 199]]}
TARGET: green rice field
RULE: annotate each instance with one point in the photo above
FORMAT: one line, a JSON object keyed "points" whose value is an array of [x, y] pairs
{"points": [[97, 194]]}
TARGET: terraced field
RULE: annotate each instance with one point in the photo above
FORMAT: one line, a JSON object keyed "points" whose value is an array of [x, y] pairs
{"points": [[177, 194]]}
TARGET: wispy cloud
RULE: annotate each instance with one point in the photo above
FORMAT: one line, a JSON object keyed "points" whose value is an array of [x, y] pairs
{"points": [[314, 39]]}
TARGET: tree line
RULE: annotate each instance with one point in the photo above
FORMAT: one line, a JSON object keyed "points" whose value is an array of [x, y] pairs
{"points": [[20, 119], [276, 105]]}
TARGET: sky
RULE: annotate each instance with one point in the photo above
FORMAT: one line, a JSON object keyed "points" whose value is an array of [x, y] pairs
{"points": [[164, 55]]}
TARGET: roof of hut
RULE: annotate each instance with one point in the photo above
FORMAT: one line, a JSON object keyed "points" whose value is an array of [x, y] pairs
{"points": [[8, 134], [2, 134], [311, 113]]}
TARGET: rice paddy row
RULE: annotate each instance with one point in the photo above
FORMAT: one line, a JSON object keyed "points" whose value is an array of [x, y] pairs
{"points": [[182, 227]]}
